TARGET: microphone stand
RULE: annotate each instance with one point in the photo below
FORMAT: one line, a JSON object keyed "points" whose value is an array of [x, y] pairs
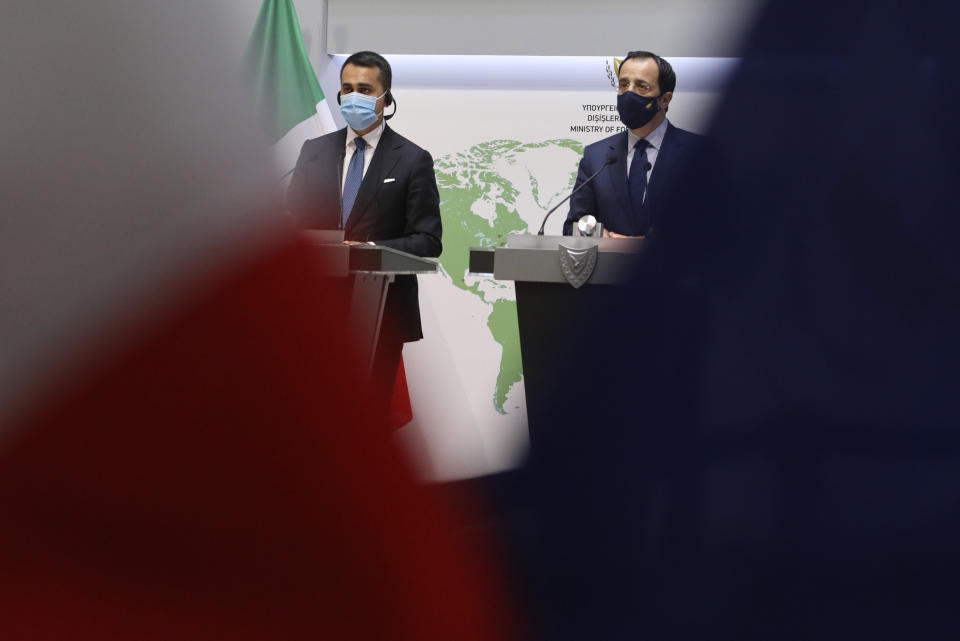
{"points": [[610, 160]]}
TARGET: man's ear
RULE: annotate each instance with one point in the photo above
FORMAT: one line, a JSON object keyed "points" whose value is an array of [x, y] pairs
{"points": [[665, 100]]}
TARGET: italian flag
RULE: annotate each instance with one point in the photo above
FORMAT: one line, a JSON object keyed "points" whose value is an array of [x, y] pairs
{"points": [[290, 98]]}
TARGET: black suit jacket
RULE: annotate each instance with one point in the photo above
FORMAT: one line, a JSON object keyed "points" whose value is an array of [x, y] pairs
{"points": [[398, 206], [608, 196]]}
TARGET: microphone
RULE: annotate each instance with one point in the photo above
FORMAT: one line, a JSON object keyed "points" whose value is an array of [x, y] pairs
{"points": [[393, 101], [612, 158], [647, 167], [311, 158], [340, 159], [297, 164]]}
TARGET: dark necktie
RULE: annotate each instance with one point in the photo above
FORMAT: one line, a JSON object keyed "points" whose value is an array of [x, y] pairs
{"points": [[637, 180], [351, 185]]}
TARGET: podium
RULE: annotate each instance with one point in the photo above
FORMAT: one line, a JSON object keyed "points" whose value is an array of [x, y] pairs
{"points": [[369, 269], [561, 283]]}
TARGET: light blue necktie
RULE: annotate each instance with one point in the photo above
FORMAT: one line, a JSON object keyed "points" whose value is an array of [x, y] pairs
{"points": [[354, 177]]}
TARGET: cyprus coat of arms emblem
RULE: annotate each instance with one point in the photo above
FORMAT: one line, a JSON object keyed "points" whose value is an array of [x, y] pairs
{"points": [[577, 264], [614, 73]]}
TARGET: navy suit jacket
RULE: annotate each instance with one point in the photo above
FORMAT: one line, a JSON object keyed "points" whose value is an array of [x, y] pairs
{"points": [[608, 196], [397, 206]]}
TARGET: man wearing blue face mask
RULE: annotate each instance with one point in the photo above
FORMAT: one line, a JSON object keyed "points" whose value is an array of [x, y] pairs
{"points": [[379, 188], [631, 196]]}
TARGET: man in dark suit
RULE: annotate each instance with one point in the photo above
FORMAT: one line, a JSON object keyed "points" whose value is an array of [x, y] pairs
{"points": [[380, 188], [631, 196]]}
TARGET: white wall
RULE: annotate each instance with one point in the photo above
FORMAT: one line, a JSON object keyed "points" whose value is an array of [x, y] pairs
{"points": [[681, 28], [672, 28]]}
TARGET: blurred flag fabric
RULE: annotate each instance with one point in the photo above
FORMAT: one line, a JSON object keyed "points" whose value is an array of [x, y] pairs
{"points": [[184, 452], [208, 480], [289, 95], [295, 110], [401, 412]]}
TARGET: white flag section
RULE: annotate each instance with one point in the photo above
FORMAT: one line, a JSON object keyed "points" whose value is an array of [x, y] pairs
{"points": [[287, 149], [288, 94]]}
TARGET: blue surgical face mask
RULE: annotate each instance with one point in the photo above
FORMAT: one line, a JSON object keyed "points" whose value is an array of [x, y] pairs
{"points": [[358, 110], [636, 110]]}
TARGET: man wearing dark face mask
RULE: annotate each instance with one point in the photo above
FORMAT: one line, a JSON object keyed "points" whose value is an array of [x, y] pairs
{"points": [[380, 189], [629, 197]]}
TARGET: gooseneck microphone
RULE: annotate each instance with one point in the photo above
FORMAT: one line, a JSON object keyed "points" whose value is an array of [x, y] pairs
{"points": [[299, 163], [340, 159], [612, 158], [304, 161]]}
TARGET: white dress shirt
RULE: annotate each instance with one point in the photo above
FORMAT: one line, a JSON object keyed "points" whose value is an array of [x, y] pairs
{"points": [[372, 139]]}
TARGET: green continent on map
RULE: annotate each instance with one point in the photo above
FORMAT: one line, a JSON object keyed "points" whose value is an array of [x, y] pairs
{"points": [[478, 205], [503, 325], [463, 229]]}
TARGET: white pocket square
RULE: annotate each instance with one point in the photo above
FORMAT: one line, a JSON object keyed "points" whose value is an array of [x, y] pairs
{"points": [[388, 180]]}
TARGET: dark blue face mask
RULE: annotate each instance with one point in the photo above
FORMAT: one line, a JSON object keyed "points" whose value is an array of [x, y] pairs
{"points": [[636, 110]]}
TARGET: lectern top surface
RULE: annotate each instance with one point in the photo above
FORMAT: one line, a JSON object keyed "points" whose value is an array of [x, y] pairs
{"points": [[323, 236], [616, 245], [386, 259]]}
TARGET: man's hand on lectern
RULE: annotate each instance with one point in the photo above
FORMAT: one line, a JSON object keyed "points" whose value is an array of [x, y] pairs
{"points": [[613, 234]]}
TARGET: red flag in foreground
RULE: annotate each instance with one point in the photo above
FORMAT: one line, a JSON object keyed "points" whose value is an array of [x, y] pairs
{"points": [[212, 477]]}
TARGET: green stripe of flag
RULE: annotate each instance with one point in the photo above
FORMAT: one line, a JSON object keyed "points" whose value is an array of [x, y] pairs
{"points": [[287, 90]]}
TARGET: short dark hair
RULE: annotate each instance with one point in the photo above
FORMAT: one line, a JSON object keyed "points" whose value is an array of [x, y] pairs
{"points": [[666, 77], [372, 59]]}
